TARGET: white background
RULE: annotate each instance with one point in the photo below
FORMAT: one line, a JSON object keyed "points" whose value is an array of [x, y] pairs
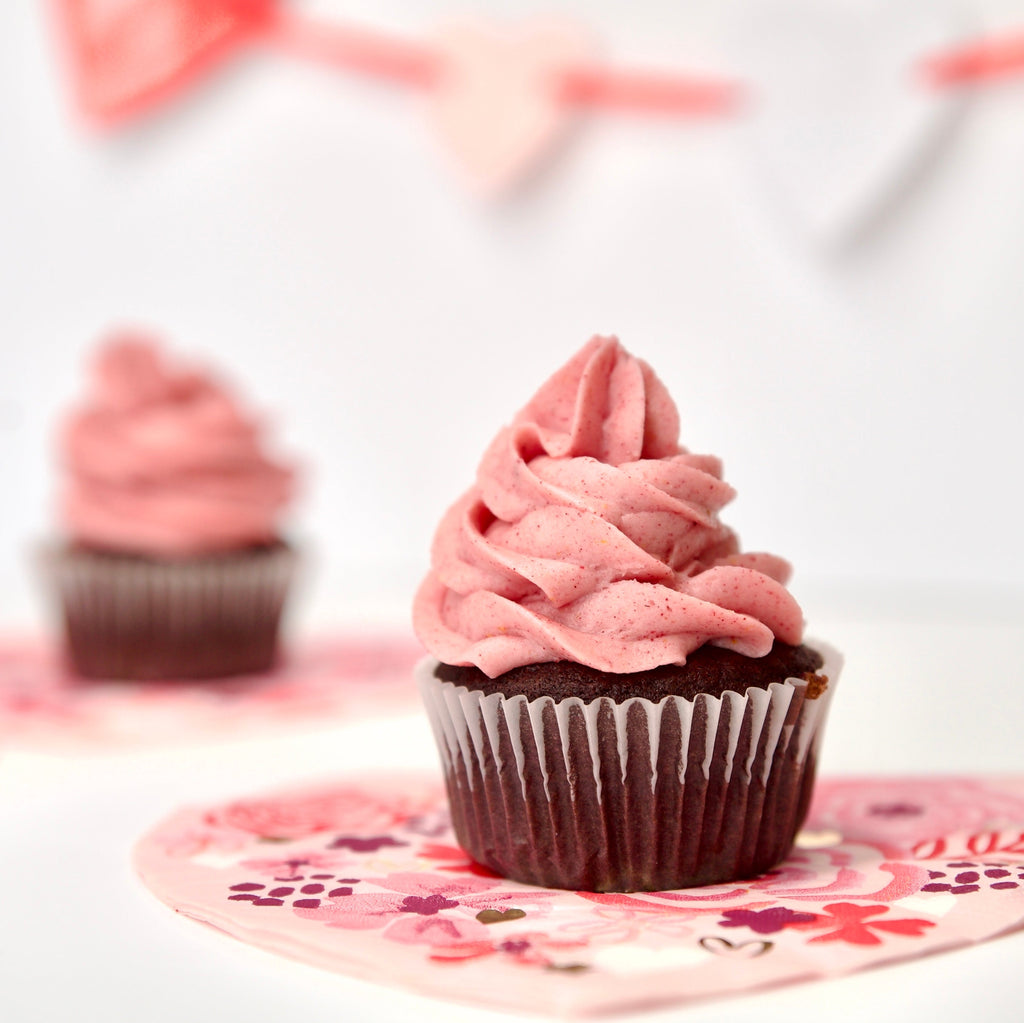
{"points": [[303, 231]]}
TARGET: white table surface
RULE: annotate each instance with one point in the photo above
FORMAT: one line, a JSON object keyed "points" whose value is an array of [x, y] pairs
{"points": [[81, 939]]}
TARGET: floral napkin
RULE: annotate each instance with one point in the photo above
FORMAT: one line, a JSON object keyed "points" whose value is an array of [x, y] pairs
{"points": [[364, 877]]}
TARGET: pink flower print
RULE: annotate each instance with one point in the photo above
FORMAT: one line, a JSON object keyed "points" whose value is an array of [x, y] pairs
{"points": [[830, 876], [455, 859], [425, 885], [765, 921], [471, 894], [437, 931], [849, 871], [295, 868], [621, 917], [416, 894], [605, 927], [855, 927], [843, 872], [424, 909], [817, 873], [897, 814], [298, 816], [618, 926], [658, 902], [419, 909], [194, 839], [526, 948], [356, 912]]}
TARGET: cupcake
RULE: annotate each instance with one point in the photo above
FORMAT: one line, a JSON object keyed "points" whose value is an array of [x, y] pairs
{"points": [[172, 564], [622, 700]]}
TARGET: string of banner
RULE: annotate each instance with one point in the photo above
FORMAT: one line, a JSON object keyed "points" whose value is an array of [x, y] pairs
{"points": [[499, 98]]}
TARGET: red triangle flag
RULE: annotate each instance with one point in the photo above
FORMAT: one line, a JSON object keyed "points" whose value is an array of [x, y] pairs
{"points": [[127, 55]]}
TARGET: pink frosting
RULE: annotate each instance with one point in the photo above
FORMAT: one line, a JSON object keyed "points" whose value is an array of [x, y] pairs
{"points": [[592, 536], [161, 460]]}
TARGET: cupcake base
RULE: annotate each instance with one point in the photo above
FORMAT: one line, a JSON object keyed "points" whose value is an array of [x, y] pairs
{"points": [[635, 795], [132, 617]]}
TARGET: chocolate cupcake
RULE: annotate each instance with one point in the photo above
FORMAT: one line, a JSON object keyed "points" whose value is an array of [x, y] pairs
{"points": [[172, 566], [622, 699]]}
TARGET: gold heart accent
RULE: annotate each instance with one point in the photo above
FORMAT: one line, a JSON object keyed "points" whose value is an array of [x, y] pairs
{"points": [[498, 916]]}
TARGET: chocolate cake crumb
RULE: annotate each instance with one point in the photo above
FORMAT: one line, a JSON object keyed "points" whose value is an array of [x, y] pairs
{"points": [[816, 684]]}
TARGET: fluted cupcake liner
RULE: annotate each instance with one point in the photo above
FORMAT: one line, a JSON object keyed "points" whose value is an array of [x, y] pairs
{"points": [[631, 796], [128, 617]]}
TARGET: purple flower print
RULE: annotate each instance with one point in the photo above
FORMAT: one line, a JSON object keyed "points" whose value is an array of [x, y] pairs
{"points": [[765, 921], [426, 906], [896, 809], [416, 909], [424, 909], [365, 845], [299, 891], [970, 877]]}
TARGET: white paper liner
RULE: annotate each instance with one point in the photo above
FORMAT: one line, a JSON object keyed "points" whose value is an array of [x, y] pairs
{"points": [[659, 795], [130, 617]]}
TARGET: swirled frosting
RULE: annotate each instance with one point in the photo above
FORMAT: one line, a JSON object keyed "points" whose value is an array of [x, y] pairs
{"points": [[592, 536], [160, 460]]}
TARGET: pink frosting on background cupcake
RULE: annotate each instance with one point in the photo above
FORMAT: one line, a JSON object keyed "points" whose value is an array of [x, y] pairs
{"points": [[592, 536], [161, 460]]}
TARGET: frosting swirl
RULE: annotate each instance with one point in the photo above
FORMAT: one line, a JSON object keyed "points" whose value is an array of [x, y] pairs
{"points": [[592, 536], [160, 460]]}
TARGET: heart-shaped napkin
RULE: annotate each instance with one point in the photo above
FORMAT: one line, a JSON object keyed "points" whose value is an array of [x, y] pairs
{"points": [[841, 117], [365, 878], [318, 683], [496, 103], [126, 54]]}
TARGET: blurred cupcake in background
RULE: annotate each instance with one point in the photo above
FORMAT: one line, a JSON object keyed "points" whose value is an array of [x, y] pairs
{"points": [[172, 563]]}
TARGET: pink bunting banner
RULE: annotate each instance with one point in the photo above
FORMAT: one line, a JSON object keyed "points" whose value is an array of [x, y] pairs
{"points": [[500, 96]]}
